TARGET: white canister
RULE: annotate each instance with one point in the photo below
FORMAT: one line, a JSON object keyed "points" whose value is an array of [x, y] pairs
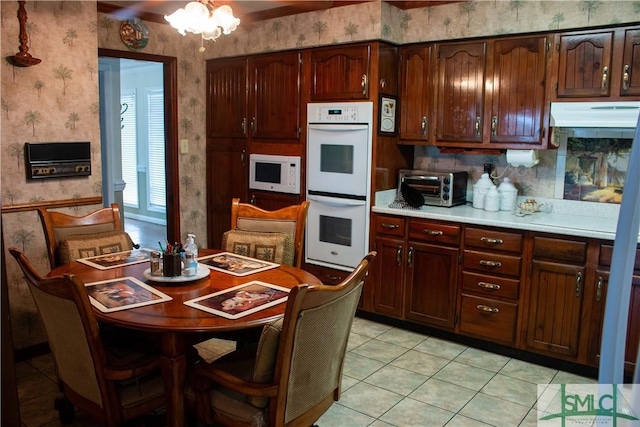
{"points": [[492, 200], [508, 195], [480, 189]]}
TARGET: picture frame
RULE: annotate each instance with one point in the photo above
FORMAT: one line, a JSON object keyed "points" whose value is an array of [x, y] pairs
{"points": [[123, 293], [117, 259], [234, 264], [241, 300], [387, 119]]}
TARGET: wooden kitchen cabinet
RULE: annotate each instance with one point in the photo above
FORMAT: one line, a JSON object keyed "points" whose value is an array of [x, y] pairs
{"points": [[257, 97], [416, 93], [340, 73], [599, 64], [491, 94], [271, 201], [599, 301], [227, 98], [227, 178], [490, 285], [416, 270], [556, 297]]}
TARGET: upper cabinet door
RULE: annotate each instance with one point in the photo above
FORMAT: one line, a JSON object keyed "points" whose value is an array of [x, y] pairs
{"points": [[340, 73], [517, 100], [227, 98], [275, 96], [416, 92], [630, 84], [584, 68], [460, 92]]}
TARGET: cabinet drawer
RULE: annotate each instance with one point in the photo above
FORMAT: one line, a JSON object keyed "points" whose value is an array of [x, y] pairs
{"points": [[488, 318], [492, 263], [390, 225], [557, 250], [490, 285], [328, 276], [606, 255], [434, 232], [494, 240]]}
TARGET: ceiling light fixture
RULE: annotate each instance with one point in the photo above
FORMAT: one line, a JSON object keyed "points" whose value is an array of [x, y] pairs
{"points": [[202, 17]]}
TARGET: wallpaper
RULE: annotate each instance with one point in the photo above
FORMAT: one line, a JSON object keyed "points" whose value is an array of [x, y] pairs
{"points": [[57, 100]]}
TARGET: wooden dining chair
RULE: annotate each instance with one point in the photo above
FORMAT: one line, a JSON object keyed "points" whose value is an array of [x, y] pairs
{"points": [[293, 374], [103, 226], [250, 228], [109, 382]]}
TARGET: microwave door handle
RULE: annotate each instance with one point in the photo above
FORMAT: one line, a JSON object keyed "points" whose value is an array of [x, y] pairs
{"points": [[333, 201], [339, 128]]}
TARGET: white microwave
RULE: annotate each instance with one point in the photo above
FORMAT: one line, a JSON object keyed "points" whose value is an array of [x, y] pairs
{"points": [[274, 173]]}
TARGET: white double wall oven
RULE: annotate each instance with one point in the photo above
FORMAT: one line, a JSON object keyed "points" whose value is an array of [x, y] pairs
{"points": [[339, 157]]}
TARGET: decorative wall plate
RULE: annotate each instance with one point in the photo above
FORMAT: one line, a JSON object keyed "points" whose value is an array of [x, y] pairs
{"points": [[134, 34]]}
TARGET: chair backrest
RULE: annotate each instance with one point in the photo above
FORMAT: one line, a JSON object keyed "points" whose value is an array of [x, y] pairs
{"points": [[290, 220], [72, 331], [58, 226], [312, 348]]}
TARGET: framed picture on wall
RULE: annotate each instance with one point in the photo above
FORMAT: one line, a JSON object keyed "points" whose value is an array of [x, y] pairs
{"points": [[388, 110]]}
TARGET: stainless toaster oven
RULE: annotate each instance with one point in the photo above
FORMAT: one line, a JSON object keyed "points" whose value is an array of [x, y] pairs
{"points": [[438, 188]]}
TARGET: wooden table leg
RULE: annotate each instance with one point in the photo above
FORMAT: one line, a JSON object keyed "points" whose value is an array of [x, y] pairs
{"points": [[174, 368]]}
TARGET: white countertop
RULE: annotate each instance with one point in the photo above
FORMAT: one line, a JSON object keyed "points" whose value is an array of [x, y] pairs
{"points": [[591, 225]]}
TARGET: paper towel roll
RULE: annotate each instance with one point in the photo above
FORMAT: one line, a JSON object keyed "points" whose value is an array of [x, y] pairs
{"points": [[526, 158]]}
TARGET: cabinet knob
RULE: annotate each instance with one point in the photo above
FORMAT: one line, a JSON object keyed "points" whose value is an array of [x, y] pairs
{"points": [[626, 76], [605, 78], [488, 263], [487, 285], [493, 241], [487, 309], [253, 199], [599, 285]]}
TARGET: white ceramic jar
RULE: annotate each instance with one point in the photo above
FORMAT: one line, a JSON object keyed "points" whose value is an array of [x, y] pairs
{"points": [[508, 195], [492, 200], [480, 189]]}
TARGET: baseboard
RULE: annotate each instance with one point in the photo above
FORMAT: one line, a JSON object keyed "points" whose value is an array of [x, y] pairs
{"points": [[32, 351]]}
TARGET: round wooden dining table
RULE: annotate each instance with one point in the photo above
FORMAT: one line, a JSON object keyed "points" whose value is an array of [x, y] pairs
{"points": [[179, 325]]}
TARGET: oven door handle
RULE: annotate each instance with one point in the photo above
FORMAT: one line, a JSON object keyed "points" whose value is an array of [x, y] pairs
{"points": [[333, 201], [332, 127]]}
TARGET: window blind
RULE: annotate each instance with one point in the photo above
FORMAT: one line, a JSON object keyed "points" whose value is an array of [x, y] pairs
{"points": [[157, 192], [129, 147]]}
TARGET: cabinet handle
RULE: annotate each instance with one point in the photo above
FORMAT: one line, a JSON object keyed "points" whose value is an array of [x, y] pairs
{"points": [[487, 309], [242, 156], [399, 256], [334, 278], [389, 226], [477, 126], [599, 285], [626, 76], [244, 126], [578, 284], [488, 263], [494, 125], [364, 84], [489, 285], [423, 125], [253, 199], [605, 77], [491, 240], [410, 257], [432, 232], [253, 126]]}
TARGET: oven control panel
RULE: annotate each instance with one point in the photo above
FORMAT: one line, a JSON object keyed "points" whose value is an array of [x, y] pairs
{"points": [[340, 112]]}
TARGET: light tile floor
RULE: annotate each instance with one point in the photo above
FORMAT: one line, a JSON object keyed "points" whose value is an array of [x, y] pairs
{"points": [[392, 377]]}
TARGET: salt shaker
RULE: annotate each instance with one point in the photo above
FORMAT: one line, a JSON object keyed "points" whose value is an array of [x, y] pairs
{"points": [[155, 264], [492, 200], [480, 189], [508, 195]]}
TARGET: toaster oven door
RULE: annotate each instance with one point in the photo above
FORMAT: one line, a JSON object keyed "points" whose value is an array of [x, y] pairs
{"points": [[429, 186]]}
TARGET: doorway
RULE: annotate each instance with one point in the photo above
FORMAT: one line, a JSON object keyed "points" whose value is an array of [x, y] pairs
{"points": [[143, 153]]}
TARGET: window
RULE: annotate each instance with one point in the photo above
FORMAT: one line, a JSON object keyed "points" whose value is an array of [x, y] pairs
{"points": [[129, 148]]}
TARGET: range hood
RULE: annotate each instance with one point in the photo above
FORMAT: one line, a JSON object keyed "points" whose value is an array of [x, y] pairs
{"points": [[595, 114]]}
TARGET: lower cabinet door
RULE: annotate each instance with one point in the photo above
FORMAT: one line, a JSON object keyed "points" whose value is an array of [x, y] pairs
{"points": [[488, 319], [388, 276]]}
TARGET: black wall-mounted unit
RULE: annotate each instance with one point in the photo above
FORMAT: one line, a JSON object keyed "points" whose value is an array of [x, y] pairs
{"points": [[57, 159]]}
